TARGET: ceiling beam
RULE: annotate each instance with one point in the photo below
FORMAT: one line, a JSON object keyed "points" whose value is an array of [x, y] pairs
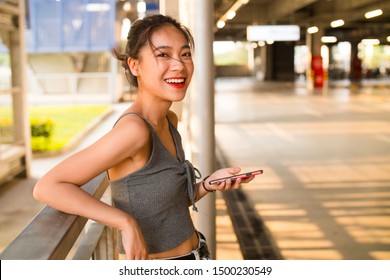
{"points": [[283, 8]]}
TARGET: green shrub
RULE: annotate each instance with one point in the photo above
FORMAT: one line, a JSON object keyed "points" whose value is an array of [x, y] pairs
{"points": [[52, 126], [41, 134]]}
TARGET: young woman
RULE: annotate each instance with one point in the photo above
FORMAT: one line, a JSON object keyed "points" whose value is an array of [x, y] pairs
{"points": [[152, 183]]}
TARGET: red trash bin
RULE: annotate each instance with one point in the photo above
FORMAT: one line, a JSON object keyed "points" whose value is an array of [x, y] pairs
{"points": [[318, 71]]}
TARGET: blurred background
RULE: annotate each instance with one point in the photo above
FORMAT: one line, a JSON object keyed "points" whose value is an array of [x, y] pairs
{"points": [[299, 87]]}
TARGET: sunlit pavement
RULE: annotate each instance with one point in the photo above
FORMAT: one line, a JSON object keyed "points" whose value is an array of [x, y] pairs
{"points": [[325, 191]]}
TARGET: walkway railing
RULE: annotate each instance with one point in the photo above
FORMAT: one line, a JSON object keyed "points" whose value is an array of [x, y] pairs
{"points": [[54, 235], [73, 81]]}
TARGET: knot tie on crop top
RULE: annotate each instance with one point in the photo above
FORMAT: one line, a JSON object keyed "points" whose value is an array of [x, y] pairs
{"points": [[158, 195]]}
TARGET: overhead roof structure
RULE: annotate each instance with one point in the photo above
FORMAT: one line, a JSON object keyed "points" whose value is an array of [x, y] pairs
{"points": [[306, 13]]}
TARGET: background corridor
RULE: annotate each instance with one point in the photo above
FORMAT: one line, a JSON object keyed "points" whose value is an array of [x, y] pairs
{"points": [[325, 191]]}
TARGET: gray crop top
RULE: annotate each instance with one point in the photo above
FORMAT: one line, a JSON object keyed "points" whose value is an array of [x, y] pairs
{"points": [[157, 195]]}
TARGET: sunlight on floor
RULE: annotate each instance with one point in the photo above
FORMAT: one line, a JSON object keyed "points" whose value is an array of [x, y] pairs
{"points": [[227, 243], [348, 202]]}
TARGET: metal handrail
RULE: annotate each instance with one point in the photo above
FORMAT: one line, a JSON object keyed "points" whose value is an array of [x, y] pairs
{"points": [[51, 235]]}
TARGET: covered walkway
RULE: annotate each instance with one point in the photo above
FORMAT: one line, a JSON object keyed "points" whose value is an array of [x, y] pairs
{"points": [[325, 191]]}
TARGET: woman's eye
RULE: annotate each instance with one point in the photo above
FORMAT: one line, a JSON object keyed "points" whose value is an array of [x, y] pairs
{"points": [[187, 54], [162, 55]]}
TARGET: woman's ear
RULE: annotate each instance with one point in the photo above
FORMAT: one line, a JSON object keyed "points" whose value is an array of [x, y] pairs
{"points": [[133, 66]]}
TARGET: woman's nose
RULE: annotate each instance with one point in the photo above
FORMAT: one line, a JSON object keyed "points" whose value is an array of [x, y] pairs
{"points": [[177, 63]]}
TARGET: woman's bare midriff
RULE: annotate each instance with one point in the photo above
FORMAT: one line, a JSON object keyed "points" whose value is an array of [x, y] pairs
{"points": [[183, 249]]}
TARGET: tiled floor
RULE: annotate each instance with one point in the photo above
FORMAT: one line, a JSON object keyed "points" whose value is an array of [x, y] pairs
{"points": [[325, 191]]}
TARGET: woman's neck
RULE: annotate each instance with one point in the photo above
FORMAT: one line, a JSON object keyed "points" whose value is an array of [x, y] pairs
{"points": [[155, 112]]}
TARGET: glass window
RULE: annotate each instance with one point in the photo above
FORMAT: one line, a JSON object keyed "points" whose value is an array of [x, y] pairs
{"points": [[75, 25], [46, 23], [101, 31], [72, 25]]}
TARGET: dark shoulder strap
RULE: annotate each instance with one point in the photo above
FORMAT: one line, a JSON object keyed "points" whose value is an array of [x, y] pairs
{"points": [[133, 113]]}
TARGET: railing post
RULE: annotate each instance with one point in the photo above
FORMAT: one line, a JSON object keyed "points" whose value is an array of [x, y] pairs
{"points": [[73, 84], [104, 249]]}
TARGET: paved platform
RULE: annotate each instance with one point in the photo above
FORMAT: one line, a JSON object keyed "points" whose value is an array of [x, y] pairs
{"points": [[325, 191]]}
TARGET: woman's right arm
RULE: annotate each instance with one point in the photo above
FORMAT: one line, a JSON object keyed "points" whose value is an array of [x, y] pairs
{"points": [[60, 187]]}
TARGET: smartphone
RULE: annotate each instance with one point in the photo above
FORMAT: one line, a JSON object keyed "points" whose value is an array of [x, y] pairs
{"points": [[234, 177]]}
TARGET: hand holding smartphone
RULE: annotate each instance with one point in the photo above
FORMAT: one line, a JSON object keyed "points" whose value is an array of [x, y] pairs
{"points": [[235, 177]]}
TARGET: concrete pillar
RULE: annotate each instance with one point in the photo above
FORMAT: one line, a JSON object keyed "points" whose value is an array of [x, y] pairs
{"points": [[18, 66], [356, 63], [198, 16], [309, 78], [170, 8], [260, 61], [269, 63], [251, 61], [314, 43]]}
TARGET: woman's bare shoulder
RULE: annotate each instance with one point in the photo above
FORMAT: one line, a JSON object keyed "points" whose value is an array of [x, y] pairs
{"points": [[131, 130]]}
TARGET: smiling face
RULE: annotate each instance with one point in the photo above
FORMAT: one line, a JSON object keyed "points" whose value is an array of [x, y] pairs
{"points": [[165, 66]]}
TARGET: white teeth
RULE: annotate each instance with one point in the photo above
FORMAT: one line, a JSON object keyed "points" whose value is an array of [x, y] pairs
{"points": [[175, 81]]}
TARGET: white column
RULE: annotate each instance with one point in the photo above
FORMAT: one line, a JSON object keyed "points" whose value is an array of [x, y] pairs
{"points": [[19, 62], [198, 106], [309, 78], [201, 109]]}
